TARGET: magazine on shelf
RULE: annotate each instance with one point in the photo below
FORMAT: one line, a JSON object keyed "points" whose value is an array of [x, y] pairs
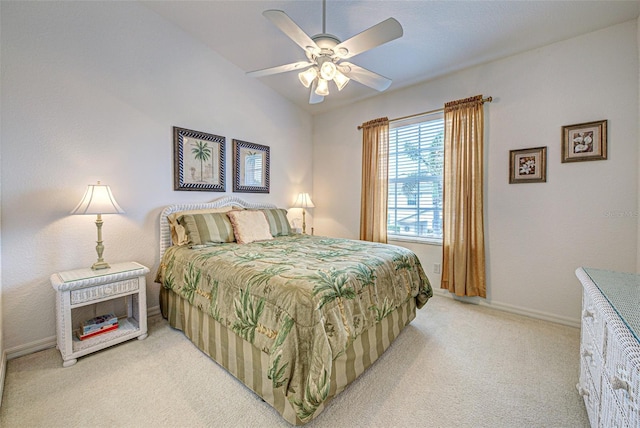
{"points": [[105, 329], [97, 323]]}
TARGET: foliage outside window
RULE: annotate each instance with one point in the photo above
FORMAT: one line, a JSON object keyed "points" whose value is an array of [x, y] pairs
{"points": [[416, 159]]}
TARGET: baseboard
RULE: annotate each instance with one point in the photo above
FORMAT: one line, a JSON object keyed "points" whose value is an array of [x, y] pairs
{"points": [[155, 310], [3, 371], [571, 322], [30, 348]]}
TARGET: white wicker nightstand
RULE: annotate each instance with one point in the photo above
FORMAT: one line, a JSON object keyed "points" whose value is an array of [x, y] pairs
{"points": [[81, 287]]}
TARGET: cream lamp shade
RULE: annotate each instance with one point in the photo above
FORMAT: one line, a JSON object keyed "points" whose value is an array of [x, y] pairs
{"points": [[98, 200], [303, 201]]}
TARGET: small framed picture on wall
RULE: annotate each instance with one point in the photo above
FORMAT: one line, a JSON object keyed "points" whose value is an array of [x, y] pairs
{"points": [[251, 166], [584, 141], [528, 165]]}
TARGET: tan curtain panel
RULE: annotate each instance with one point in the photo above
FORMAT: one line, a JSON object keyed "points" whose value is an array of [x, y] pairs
{"points": [[463, 257], [375, 166]]}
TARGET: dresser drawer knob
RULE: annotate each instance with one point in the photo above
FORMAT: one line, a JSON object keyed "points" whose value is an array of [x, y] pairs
{"points": [[587, 314], [582, 391], [587, 354], [617, 383]]}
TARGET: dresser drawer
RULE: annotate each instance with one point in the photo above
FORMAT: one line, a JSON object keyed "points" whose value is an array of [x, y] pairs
{"points": [[594, 321], [622, 371], [612, 414], [591, 359], [98, 292], [589, 392]]}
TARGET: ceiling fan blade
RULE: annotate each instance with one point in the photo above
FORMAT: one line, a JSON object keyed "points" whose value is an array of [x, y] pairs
{"points": [[280, 69], [291, 29], [364, 76], [377, 35], [313, 97]]}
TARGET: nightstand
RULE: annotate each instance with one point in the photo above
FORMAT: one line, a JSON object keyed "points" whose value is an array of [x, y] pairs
{"points": [[82, 287]]}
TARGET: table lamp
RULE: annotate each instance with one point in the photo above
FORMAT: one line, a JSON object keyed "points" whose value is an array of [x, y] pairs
{"points": [[99, 200], [303, 201]]}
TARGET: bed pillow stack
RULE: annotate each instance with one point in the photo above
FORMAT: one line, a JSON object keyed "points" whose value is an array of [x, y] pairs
{"points": [[207, 228], [224, 225], [179, 235]]}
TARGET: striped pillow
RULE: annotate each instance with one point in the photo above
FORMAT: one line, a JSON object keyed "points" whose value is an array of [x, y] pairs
{"points": [[278, 222], [207, 228], [178, 235]]}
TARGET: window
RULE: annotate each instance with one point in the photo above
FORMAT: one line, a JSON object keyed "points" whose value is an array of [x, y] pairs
{"points": [[416, 156], [253, 169]]}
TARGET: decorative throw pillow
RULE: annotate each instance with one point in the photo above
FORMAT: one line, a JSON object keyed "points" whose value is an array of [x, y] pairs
{"points": [[249, 226], [206, 228], [278, 222], [178, 234]]}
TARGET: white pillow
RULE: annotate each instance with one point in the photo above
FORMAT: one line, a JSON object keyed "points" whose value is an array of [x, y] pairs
{"points": [[249, 226]]}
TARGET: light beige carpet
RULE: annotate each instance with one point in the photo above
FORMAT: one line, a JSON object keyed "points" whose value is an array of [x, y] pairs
{"points": [[456, 365]]}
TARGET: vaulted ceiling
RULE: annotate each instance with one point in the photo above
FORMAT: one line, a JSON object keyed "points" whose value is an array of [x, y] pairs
{"points": [[439, 36]]}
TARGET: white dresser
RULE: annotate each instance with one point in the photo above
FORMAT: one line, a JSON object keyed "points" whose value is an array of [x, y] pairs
{"points": [[610, 347]]}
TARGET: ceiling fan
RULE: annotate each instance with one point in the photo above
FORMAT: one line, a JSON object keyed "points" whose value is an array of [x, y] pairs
{"points": [[326, 55]]}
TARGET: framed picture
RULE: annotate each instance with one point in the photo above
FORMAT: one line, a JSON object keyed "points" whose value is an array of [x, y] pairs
{"points": [[198, 161], [584, 141], [528, 165], [250, 167]]}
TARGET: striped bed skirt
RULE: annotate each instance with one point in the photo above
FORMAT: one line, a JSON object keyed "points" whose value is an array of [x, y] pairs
{"points": [[249, 364]]}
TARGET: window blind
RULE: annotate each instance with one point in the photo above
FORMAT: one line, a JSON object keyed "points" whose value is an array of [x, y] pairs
{"points": [[416, 156]]}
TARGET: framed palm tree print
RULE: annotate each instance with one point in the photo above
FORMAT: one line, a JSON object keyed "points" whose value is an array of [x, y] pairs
{"points": [[198, 161]]}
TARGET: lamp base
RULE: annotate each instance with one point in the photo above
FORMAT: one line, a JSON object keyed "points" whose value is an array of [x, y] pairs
{"points": [[304, 223], [100, 265]]}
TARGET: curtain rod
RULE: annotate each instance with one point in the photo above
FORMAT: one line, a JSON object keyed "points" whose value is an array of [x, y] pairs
{"points": [[484, 100]]}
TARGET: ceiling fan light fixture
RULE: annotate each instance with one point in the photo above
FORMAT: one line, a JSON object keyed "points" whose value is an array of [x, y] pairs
{"points": [[340, 80], [328, 70], [307, 77], [323, 87]]}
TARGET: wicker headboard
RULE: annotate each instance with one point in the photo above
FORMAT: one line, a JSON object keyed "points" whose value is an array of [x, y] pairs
{"points": [[224, 201]]}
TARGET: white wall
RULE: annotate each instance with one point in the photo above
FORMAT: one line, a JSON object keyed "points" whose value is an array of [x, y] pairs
{"points": [[91, 91], [638, 208], [537, 234]]}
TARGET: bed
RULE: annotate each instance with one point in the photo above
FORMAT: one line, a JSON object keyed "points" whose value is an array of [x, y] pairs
{"points": [[294, 317]]}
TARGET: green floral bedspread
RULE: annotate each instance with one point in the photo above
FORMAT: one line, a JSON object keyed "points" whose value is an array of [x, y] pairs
{"points": [[301, 299]]}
